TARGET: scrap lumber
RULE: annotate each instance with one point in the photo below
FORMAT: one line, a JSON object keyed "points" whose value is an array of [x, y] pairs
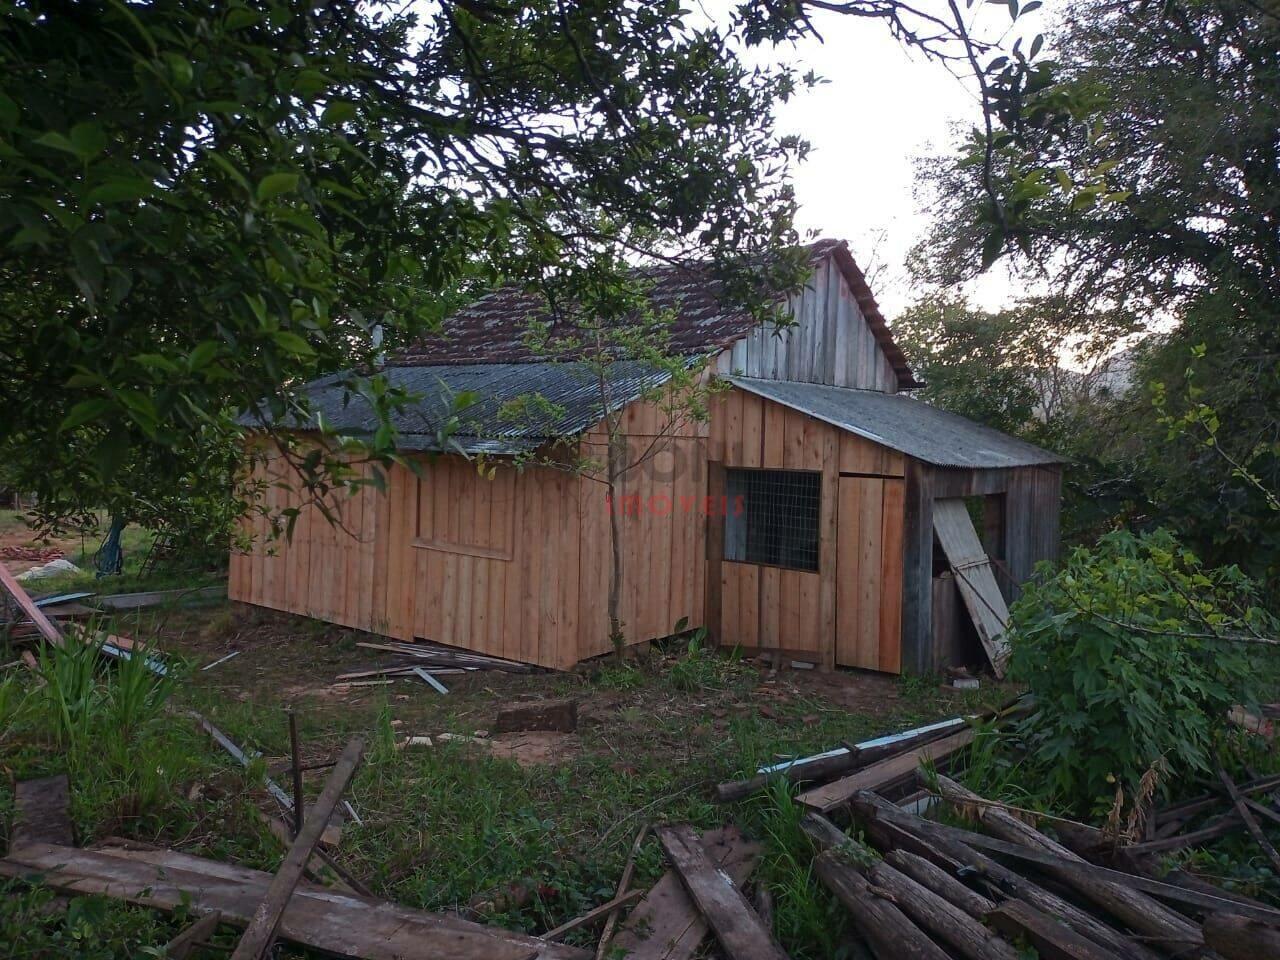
{"points": [[329, 921], [624, 882], [42, 812], [933, 914], [1250, 822], [1052, 939], [823, 766], [559, 715], [1239, 938], [884, 773], [889, 932], [944, 846], [261, 931], [29, 608], [155, 598], [427, 678], [450, 657], [741, 934], [1138, 911], [665, 924], [945, 885], [197, 933], [594, 915]]}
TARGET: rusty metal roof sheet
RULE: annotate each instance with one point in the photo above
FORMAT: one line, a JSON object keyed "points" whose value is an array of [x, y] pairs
{"points": [[493, 329], [902, 423]]}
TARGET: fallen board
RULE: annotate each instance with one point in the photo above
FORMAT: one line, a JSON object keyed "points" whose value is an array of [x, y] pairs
{"points": [[41, 812], [339, 924], [975, 578], [665, 925], [831, 795], [731, 917], [28, 607]]}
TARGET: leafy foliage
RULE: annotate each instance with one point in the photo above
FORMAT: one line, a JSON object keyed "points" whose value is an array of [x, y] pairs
{"points": [[204, 205], [1135, 653]]}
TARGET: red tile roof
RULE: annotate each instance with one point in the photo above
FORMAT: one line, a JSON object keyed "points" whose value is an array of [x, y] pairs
{"points": [[493, 329]]}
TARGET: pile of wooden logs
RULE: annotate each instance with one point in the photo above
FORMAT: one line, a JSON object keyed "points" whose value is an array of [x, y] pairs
{"points": [[922, 889]]}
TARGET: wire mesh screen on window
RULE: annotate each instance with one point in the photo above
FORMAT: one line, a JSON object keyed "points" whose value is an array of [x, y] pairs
{"points": [[772, 517]]}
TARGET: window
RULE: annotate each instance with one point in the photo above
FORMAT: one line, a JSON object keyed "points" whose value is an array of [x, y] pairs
{"points": [[461, 511], [771, 517]]}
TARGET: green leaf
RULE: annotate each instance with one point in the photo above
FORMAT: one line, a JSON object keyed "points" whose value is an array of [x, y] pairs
{"points": [[120, 190], [290, 342], [240, 17], [156, 361], [86, 411], [339, 111], [202, 355], [88, 139], [57, 141], [9, 112], [276, 184]]}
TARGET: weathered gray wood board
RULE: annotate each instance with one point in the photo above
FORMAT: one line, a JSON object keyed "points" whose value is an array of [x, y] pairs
{"points": [[666, 925], [339, 924], [975, 577], [733, 920], [42, 812], [830, 341]]}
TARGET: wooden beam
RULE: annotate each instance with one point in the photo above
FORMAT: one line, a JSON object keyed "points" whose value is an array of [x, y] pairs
{"points": [[734, 922], [878, 775], [593, 915], [1250, 822], [1052, 939], [262, 928], [28, 606], [884, 926], [42, 812], [194, 935]]}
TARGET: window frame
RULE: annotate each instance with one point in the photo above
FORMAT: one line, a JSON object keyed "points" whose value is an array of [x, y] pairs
{"points": [[817, 524]]}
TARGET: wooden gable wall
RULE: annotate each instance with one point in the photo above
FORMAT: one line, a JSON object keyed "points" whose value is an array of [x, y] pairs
{"points": [[830, 343]]}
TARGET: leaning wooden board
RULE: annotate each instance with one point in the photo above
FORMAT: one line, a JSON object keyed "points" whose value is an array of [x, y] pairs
{"points": [[339, 924], [975, 578]]}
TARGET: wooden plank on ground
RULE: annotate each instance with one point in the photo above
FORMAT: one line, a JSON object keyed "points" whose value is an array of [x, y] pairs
{"points": [[666, 925], [741, 934], [335, 923], [262, 928], [831, 795], [42, 812], [28, 607], [975, 578], [194, 935], [1052, 939]]}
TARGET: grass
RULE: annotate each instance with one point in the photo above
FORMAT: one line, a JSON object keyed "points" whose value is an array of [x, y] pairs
{"points": [[447, 827]]}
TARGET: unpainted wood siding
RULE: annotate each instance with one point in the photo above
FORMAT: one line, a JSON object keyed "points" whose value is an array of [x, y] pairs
{"points": [[332, 571], [772, 608], [516, 564], [830, 341]]}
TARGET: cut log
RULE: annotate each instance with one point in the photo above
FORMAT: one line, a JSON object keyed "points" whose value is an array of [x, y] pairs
{"points": [[328, 921], [740, 932], [42, 812], [1239, 938], [933, 914], [194, 935], [887, 930], [559, 715], [942, 883], [1053, 940], [666, 925], [261, 931], [932, 841], [1133, 907], [885, 772]]}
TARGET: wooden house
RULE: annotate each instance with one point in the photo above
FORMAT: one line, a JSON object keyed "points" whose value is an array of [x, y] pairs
{"points": [[820, 510]]}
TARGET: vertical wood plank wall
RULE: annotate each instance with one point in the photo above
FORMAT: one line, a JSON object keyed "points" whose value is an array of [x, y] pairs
{"points": [[772, 608], [830, 342], [326, 571]]}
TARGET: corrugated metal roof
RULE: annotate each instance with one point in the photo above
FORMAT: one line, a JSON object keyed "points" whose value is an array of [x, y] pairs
{"points": [[501, 420], [494, 329], [901, 423]]}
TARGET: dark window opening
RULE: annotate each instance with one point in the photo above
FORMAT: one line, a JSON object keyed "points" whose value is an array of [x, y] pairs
{"points": [[771, 517]]}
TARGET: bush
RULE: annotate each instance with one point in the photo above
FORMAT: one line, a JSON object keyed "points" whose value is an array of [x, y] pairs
{"points": [[1135, 652]]}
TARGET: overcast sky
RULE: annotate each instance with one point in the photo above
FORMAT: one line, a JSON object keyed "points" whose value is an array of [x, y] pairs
{"points": [[882, 109]]}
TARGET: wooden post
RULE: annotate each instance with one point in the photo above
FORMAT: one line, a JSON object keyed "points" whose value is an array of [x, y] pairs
{"points": [[262, 928], [1250, 823], [295, 765], [885, 927]]}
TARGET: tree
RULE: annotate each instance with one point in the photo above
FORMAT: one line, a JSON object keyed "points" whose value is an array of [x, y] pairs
{"points": [[1146, 163], [204, 204]]}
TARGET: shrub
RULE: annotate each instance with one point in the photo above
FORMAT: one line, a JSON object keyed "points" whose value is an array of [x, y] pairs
{"points": [[1135, 652]]}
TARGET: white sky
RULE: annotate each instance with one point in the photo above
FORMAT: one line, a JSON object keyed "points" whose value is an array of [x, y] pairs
{"points": [[881, 109]]}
